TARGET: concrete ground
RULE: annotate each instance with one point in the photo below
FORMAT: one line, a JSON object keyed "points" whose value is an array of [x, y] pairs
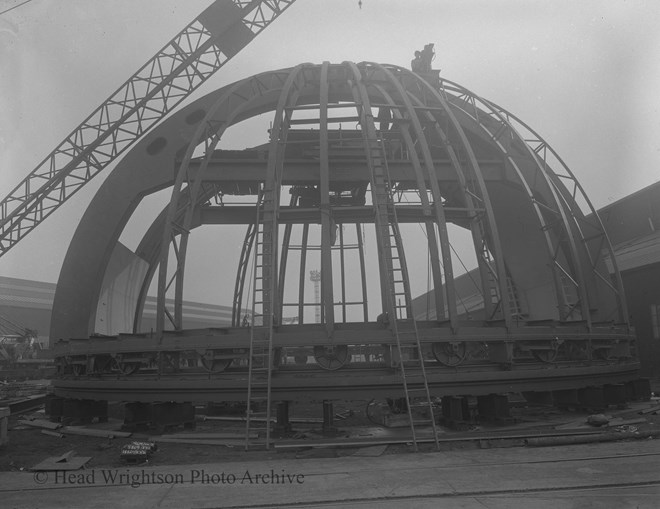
{"points": [[609, 475]]}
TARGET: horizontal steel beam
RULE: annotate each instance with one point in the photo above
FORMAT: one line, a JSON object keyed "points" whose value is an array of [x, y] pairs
{"points": [[343, 384], [300, 335], [307, 172], [245, 214]]}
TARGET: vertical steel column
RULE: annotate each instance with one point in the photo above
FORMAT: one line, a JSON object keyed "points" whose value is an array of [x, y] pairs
{"points": [[342, 269], [327, 299], [301, 281], [272, 185], [363, 104], [480, 238], [241, 272], [363, 272], [441, 222], [265, 284], [423, 195], [284, 257]]}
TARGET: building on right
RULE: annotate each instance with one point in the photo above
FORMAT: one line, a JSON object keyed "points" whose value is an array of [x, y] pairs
{"points": [[633, 226]]}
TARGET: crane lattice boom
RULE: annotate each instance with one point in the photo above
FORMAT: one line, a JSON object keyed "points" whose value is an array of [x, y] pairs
{"points": [[187, 61]]}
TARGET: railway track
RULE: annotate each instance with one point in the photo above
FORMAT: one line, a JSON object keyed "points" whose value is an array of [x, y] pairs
{"points": [[593, 490], [612, 475], [525, 495]]}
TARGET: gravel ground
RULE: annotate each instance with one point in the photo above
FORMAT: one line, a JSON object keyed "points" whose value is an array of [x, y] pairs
{"points": [[28, 446]]}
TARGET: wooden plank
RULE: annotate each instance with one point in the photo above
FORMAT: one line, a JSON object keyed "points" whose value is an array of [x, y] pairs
{"points": [[371, 452], [4, 424], [67, 461], [40, 423], [52, 433], [212, 436], [578, 424], [363, 442], [100, 433], [294, 420], [230, 418], [649, 410], [623, 422], [191, 441]]}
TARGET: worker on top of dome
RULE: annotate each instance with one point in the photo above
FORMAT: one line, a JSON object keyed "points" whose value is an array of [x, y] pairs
{"points": [[427, 55], [416, 64], [423, 59]]}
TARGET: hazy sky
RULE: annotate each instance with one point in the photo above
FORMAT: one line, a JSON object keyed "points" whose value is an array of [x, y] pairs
{"points": [[584, 74]]}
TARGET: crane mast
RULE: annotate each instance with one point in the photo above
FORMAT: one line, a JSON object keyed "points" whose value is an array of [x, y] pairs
{"points": [[188, 60]]}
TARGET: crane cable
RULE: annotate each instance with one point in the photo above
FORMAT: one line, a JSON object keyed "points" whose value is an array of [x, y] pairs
{"points": [[27, 1]]}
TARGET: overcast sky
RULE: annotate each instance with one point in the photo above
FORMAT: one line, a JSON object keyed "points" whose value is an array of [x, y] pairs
{"points": [[584, 74]]}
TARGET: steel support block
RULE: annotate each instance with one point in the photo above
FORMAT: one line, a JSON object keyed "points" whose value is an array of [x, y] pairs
{"points": [[77, 410], [542, 398], [4, 418], [591, 398], [328, 417], [54, 408], [502, 353], [639, 390], [455, 409], [137, 414], [566, 398], [159, 415], [615, 394], [225, 408], [173, 414], [283, 425], [493, 407]]}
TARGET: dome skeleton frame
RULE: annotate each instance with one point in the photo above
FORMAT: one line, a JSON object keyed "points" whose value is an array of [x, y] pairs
{"points": [[503, 132], [540, 259]]}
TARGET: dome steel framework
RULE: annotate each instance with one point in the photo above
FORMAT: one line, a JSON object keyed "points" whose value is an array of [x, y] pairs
{"points": [[420, 150]]}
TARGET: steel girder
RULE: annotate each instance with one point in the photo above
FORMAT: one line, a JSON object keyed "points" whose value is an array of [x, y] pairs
{"points": [[353, 384]]}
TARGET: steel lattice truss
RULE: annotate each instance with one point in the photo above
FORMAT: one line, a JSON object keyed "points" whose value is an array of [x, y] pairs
{"points": [[578, 229], [186, 62]]}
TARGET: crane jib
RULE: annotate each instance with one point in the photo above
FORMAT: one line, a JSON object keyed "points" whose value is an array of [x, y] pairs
{"points": [[187, 61]]}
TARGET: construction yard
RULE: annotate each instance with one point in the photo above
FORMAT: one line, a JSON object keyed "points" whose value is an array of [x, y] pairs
{"points": [[35, 442]]}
